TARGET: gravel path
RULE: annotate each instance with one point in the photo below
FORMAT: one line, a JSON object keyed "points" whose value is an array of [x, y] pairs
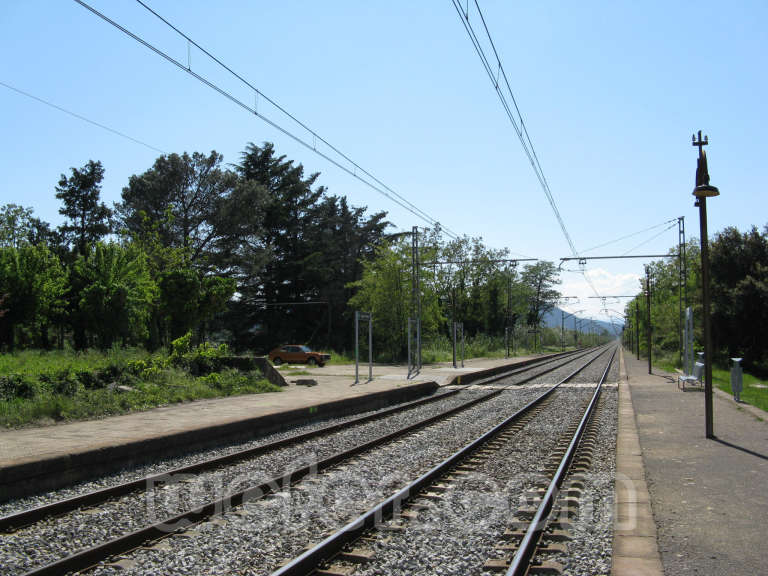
{"points": [[590, 550], [159, 467], [279, 527], [53, 538], [458, 533]]}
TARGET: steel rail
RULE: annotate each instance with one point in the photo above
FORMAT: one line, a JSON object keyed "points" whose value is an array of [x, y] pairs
{"points": [[88, 557], [525, 552], [333, 544], [28, 517]]}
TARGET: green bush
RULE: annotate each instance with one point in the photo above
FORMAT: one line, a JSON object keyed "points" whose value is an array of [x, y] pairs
{"points": [[89, 380], [17, 386], [206, 359], [62, 382], [181, 347], [65, 386]]}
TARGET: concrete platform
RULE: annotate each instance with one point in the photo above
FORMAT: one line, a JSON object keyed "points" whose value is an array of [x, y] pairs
{"points": [[708, 498], [35, 459]]}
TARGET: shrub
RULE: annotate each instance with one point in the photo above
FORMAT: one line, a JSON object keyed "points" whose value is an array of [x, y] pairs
{"points": [[17, 386], [62, 382], [89, 380], [181, 347]]}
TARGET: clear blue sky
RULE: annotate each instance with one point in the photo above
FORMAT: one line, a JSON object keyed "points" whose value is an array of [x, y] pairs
{"points": [[611, 93]]}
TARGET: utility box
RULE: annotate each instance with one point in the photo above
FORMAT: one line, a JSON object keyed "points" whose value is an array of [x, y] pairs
{"points": [[698, 367], [737, 378], [698, 371]]}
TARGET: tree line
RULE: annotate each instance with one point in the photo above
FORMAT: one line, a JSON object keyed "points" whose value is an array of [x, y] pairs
{"points": [[739, 299], [255, 254]]}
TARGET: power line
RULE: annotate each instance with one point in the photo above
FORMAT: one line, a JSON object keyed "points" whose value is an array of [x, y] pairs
{"points": [[261, 94], [515, 118], [79, 117], [341, 161], [644, 242], [629, 235]]}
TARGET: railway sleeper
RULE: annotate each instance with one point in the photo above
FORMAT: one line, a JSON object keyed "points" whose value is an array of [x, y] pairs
{"points": [[551, 533], [432, 496], [357, 555], [122, 564], [551, 543], [565, 501], [542, 568], [339, 570]]}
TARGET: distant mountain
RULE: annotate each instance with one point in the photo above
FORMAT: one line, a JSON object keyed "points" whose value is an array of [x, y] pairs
{"points": [[553, 319]]}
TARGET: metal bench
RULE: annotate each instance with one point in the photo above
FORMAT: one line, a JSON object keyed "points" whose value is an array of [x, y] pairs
{"points": [[694, 379]]}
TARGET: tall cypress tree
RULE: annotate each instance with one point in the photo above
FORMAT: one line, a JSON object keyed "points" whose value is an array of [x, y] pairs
{"points": [[88, 218]]}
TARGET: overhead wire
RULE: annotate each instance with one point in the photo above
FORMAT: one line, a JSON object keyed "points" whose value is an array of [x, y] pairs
{"points": [[353, 168], [516, 120], [81, 117], [644, 242], [630, 235], [261, 94]]}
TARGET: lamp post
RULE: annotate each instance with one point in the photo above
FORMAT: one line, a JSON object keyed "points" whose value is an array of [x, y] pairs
{"points": [[702, 191], [648, 310], [637, 326]]}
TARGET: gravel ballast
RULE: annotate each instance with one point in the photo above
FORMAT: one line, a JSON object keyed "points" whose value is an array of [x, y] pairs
{"points": [[280, 526], [264, 533], [459, 532], [324, 502]]}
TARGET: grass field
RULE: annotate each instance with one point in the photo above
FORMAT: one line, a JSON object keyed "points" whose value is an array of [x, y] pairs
{"points": [[45, 387], [441, 350], [754, 391], [34, 362]]}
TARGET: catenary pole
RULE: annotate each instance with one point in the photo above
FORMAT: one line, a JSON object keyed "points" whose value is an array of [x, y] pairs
{"points": [[648, 312]]}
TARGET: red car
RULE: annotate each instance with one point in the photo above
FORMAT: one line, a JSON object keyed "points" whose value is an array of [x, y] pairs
{"points": [[294, 353]]}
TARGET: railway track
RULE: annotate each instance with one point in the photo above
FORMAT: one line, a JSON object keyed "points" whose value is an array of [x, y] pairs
{"points": [[206, 508], [357, 547]]}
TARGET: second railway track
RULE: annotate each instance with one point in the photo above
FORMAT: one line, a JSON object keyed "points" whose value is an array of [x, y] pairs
{"points": [[64, 535], [459, 514]]}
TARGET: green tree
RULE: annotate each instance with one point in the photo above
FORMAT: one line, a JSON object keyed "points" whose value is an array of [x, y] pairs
{"points": [[115, 293], [32, 287], [314, 245], [341, 240], [739, 285], [15, 225], [88, 218], [182, 197], [666, 321], [187, 303], [385, 290], [18, 226], [540, 280], [288, 218]]}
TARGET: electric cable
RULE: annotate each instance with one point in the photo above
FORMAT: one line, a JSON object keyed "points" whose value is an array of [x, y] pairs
{"points": [[517, 122], [629, 236], [80, 117], [314, 134], [644, 242], [354, 169]]}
